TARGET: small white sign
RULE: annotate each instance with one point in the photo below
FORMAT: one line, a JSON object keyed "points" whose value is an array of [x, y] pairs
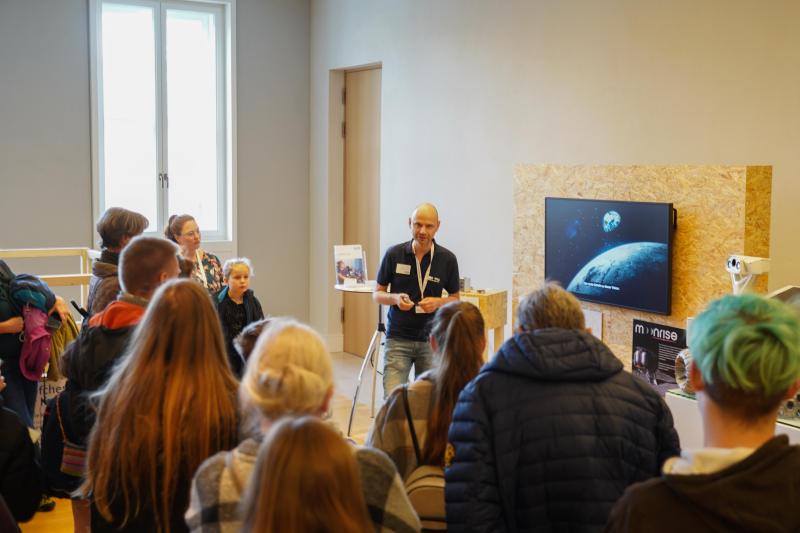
{"points": [[594, 322]]}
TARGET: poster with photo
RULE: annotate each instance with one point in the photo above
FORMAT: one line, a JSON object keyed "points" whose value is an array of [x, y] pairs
{"points": [[350, 264], [655, 347]]}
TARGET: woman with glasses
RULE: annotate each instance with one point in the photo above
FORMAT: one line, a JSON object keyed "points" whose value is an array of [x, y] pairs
{"points": [[184, 231]]}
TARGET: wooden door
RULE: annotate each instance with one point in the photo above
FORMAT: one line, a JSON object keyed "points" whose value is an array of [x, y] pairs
{"points": [[362, 162]]}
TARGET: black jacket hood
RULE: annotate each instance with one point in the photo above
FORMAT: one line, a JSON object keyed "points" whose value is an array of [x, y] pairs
{"points": [[555, 354]]}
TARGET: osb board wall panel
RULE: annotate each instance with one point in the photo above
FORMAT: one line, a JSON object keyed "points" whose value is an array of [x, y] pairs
{"points": [[757, 214], [712, 203]]}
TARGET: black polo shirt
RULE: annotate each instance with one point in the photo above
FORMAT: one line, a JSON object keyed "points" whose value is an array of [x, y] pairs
{"points": [[399, 271]]}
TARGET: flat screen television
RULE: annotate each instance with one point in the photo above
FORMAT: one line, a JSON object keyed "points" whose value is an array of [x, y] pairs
{"points": [[611, 252]]}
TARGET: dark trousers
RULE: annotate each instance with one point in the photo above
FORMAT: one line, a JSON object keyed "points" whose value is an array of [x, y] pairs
{"points": [[20, 393]]}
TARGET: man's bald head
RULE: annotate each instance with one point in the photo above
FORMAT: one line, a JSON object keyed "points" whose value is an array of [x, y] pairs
{"points": [[424, 224], [426, 210]]}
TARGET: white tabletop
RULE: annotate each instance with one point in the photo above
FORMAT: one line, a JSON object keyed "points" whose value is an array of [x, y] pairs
{"points": [[368, 287]]}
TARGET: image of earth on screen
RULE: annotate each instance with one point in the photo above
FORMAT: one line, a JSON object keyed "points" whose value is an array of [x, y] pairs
{"points": [[610, 252]]}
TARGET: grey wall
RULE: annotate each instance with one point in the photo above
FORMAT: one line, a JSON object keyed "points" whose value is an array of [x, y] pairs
{"points": [[273, 131], [45, 159], [472, 88], [45, 151]]}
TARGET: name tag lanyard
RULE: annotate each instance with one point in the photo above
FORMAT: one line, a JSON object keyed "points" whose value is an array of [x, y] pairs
{"points": [[423, 284], [199, 263]]}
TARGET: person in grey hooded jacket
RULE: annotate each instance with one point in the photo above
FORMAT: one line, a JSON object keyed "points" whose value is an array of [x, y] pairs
{"points": [[552, 430]]}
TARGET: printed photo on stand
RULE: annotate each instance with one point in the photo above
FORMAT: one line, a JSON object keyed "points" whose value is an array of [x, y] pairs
{"points": [[350, 264]]}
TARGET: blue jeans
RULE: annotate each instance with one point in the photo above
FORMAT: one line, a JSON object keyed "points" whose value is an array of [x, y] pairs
{"points": [[398, 356], [20, 393]]}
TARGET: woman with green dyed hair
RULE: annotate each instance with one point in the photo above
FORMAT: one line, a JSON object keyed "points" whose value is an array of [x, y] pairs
{"points": [[746, 352]]}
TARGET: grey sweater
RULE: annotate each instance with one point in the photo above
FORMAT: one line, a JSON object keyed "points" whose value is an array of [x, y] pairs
{"points": [[220, 482]]}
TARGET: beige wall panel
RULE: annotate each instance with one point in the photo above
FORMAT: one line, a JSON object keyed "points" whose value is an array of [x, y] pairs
{"points": [[712, 202]]}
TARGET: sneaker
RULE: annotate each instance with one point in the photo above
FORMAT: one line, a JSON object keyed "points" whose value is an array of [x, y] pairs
{"points": [[47, 504]]}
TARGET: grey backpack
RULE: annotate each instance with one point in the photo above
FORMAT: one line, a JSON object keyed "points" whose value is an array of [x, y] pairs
{"points": [[425, 485]]}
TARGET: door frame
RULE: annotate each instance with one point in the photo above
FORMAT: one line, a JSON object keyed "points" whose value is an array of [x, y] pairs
{"points": [[335, 336]]}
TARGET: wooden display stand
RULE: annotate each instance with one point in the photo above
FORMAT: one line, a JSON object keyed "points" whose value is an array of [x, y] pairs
{"points": [[493, 305]]}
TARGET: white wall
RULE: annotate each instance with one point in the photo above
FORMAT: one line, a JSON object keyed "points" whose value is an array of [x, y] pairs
{"points": [[471, 88], [45, 153]]}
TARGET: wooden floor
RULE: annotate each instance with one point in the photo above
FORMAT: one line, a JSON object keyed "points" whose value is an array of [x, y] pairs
{"points": [[346, 368]]}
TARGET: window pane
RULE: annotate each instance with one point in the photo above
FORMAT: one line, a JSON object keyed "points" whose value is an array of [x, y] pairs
{"points": [[192, 116], [129, 109]]}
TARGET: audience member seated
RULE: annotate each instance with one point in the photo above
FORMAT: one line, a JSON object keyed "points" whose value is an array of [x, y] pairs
{"points": [[116, 227], [553, 429], [168, 405], [21, 479], [144, 265], [237, 307], [289, 492], [206, 268], [746, 352], [457, 339], [290, 372]]}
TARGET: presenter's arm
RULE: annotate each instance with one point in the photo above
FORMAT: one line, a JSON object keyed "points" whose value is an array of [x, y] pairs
{"points": [[400, 299]]}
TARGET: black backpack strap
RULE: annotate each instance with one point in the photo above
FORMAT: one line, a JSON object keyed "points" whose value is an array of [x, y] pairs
{"points": [[411, 425]]}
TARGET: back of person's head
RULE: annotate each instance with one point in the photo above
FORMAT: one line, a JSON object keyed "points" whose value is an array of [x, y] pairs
{"points": [[175, 225], [185, 267], [142, 263], [246, 340], [458, 330], [550, 306], [747, 350], [116, 223], [290, 372], [169, 404], [234, 262], [306, 479]]}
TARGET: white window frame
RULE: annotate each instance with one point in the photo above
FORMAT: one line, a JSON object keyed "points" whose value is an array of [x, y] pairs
{"points": [[221, 242]]}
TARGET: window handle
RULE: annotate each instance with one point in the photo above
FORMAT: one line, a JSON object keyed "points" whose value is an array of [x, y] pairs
{"points": [[160, 179], [166, 180]]}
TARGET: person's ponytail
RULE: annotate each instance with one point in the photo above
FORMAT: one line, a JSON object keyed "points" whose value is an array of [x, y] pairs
{"points": [[459, 331]]}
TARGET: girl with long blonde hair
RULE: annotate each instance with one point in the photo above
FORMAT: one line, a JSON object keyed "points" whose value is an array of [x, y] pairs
{"points": [[170, 403], [290, 373], [305, 480]]}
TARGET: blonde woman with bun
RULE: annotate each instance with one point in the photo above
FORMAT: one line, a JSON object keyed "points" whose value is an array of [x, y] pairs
{"points": [[284, 481], [289, 373], [206, 267]]}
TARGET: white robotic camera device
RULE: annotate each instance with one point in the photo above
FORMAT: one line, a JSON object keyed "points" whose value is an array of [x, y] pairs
{"points": [[743, 268], [745, 264]]}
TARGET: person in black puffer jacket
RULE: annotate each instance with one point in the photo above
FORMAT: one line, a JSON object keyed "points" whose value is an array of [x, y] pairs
{"points": [[552, 430]]}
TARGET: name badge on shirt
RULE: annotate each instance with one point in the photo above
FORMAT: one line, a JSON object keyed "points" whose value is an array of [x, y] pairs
{"points": [[403, 269]]}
